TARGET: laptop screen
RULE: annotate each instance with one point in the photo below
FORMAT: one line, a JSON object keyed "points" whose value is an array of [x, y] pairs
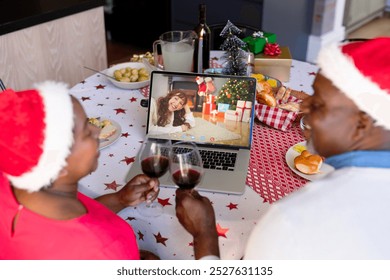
{"points": [[207, 109]]}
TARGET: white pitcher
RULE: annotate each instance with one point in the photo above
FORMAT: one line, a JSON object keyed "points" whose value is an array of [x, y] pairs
{"points": [[177, 48]]}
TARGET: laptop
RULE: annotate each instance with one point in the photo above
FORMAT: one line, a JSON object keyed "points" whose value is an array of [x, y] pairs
{"points": [[223, 112]]}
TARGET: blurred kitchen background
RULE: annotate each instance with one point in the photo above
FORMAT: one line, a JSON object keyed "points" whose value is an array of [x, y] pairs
{"points": [[303, 25], [55, 39]]}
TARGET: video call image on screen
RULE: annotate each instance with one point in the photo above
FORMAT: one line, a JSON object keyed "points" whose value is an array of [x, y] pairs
{"points": [[222, 108]]}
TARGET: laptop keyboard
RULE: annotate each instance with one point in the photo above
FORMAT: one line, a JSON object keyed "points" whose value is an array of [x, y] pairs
{"points": [[217, 159]]}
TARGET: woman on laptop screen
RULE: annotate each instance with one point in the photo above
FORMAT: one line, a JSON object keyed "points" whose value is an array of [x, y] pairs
{"points": [[170, 114]]}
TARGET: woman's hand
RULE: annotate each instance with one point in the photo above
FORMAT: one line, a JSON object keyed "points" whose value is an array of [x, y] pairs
{"points": [[139, 189], [187, 109], [185, 127]]}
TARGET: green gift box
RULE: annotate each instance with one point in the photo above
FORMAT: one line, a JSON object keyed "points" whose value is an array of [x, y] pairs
{"points": [[257, 41]]}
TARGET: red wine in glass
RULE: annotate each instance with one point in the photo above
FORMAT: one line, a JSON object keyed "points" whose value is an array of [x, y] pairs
{"points": [[187, 180], [185, 164], [155, 166], [154, 163]]}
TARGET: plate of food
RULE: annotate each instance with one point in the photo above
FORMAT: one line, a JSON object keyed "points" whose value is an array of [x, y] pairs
{"points": [[109, 133], [308, 166], [129, 75]]}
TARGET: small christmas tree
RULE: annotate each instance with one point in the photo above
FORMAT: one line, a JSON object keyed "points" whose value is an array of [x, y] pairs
{"points": [[235, 57], [234, 90]]}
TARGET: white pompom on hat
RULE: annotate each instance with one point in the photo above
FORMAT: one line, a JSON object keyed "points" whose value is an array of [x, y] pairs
{"points": [[361, 70], [36, 135]]}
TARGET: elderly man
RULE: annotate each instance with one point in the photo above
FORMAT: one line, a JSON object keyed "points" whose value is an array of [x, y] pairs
{"points": [[342, 215]]}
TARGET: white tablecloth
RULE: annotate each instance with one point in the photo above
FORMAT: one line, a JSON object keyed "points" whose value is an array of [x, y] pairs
{"points": [[236, 214]]}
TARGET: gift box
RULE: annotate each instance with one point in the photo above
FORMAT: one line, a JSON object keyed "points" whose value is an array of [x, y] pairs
{"points": [[223, 107], [274, 66], [209, 105], [256, 42], [244, 108], [233, 115], [208, 108]]}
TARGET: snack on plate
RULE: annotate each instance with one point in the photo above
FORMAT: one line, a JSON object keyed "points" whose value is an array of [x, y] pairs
{"points": [[107, 131], [130, 75], [106, 126], [308, 163]]}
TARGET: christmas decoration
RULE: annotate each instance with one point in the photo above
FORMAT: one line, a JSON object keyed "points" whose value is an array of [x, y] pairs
{"points": [[201, 86], [272, 49], [258, 40], [210, 88], [233, 46], [235, 90]]}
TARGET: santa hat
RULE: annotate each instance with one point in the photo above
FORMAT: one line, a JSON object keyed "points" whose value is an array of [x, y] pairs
{"points": [[36, 134], [361, 70], [199, 80]]}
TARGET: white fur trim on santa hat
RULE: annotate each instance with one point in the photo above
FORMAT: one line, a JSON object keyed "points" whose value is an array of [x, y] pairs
{"points": [[367, 95], [199, 80], [58, 137]]}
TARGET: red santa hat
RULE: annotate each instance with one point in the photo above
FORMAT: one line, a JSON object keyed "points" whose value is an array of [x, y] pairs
{"points": [[36, 134], [361, 70]]}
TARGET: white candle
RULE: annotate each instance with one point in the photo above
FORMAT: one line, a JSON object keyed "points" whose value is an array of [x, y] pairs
{"points": [[200, 55]]}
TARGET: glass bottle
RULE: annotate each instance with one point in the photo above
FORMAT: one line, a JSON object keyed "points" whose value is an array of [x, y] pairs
{"points": [[202, 46]]}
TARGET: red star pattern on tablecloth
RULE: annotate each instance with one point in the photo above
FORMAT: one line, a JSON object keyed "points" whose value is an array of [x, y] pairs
{"points": [[100, 104], [125, 134], [312, 73], [164, 202], [100, 86], [113, 186], [128, 160], [120, 111], [85, 98], [140, 235], [111, 155], [133, 99], [232, 206], [160, 239], [221, 231]]}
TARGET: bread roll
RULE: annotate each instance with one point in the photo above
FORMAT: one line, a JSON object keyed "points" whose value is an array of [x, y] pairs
{"points": [[264, 94], [281, 91], [290, 106], [308, 163]]}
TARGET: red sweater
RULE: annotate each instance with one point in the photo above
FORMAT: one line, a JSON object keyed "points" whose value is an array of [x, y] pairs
{"points": [[98, 234]]}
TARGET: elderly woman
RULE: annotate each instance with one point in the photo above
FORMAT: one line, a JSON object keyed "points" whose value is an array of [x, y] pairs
{"points": [[47, 145]]}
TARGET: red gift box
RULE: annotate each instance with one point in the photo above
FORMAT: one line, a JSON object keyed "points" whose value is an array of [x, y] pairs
{"points": [[209, 105], [208, 108]]}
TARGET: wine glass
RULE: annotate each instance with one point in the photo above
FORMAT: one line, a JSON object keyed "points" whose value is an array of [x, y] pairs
{"points": [[154, 161], [185, 165]]}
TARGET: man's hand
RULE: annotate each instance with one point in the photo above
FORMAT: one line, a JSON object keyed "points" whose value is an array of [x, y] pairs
{"points": [[196, 214]]}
